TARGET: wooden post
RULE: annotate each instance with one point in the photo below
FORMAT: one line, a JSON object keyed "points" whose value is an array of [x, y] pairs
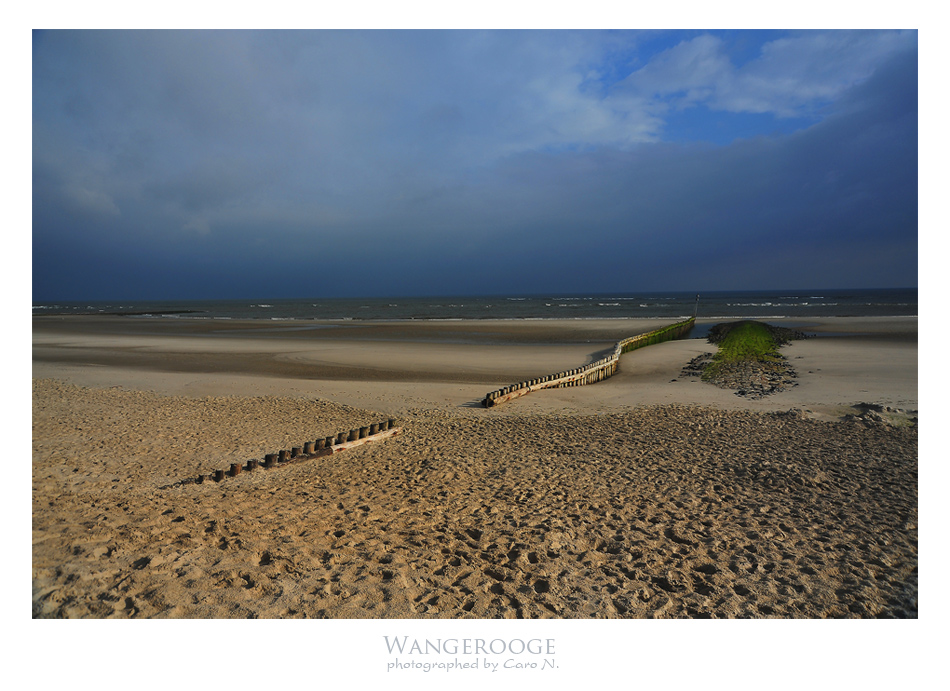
{"points": [[374, 429], [321, 443], [218, 475], [201, 479], [270, 460], [341, 437], [296, 451], [308, 447], [364, 432], [235, 469], [284, 455], [252, 465]]}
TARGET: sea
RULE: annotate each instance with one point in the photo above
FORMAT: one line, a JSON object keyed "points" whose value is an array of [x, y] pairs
{"points": [[777, 304]]}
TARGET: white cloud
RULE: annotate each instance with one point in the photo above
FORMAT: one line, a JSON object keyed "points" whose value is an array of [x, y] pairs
{"points": [[793, 76], [197, 225], [692, 70], [90, 200]]}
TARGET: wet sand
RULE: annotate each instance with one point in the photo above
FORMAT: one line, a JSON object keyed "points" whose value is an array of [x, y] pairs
{"points": [[648, 495]]}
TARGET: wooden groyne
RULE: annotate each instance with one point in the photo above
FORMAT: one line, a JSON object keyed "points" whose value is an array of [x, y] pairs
{"points": [[318, 448], [595, 371]]}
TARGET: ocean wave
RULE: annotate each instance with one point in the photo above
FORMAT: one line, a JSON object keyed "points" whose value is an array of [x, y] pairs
{"points": [[782, 304]]}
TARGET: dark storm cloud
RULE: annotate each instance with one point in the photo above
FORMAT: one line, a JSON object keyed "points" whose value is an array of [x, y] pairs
{"points": [[175, 164]]}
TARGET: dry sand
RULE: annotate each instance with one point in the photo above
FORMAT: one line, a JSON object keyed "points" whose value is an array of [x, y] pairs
{"points": [[648, 495]]}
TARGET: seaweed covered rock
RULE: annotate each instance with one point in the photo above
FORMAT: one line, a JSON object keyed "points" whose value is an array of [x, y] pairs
{"points": [[748, 360], [779, 334]]}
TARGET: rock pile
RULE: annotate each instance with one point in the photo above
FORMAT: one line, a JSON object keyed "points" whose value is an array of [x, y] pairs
{"points": [[876, 414], [752, 380], [696, 366]]}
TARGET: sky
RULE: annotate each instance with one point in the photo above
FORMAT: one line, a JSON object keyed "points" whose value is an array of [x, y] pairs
{"points": [[335, 163]]}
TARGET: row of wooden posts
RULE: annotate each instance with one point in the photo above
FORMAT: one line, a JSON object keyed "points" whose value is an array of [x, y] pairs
{"points": [[310, 450], [589, 374], [595, 371]]}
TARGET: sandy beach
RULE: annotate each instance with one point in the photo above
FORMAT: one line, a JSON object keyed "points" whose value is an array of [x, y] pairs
{"points": [[650, 494]]}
